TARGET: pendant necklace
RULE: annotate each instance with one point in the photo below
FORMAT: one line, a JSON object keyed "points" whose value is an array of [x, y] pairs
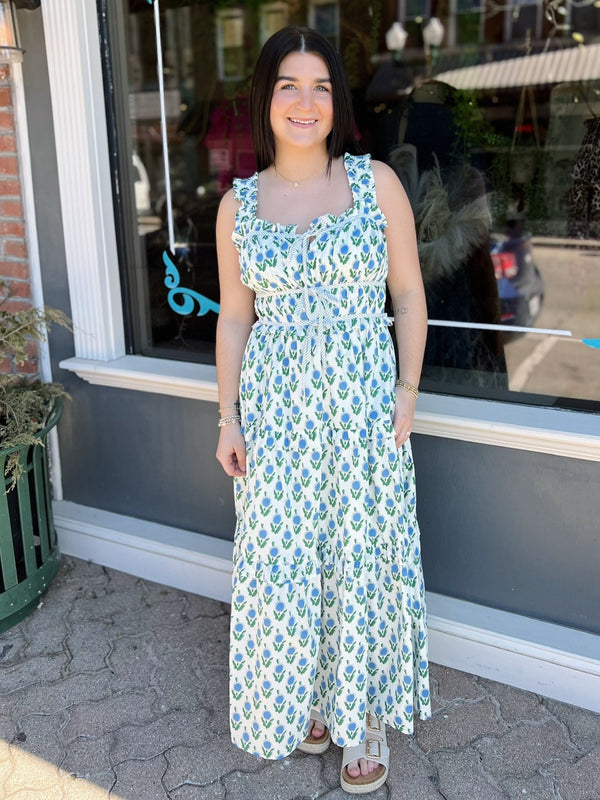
{"points": [[296, 184]]}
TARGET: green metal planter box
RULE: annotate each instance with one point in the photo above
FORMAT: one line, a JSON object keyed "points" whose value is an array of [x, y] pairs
{"points": [[29, 554]]}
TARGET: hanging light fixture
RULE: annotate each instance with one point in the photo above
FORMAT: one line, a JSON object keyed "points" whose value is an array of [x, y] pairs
{"points": [[395, 39], [433, 36], [10, 43]]}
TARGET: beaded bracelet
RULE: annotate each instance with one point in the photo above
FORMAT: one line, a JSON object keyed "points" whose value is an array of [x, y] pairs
{"points": [[408, 387], [229, 420], [234, 407]]}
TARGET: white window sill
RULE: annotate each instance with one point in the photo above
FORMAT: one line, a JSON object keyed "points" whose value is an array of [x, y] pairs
{"points": [[542, 430]]}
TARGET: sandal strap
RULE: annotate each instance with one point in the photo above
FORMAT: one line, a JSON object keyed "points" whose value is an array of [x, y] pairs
{"points": [[374, 747]]}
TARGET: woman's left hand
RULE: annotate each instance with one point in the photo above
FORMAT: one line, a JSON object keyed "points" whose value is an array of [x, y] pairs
{"points": [[404, 413]]}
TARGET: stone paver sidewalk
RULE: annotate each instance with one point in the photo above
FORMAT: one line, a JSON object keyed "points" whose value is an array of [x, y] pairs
{"points": [[116, 687]]}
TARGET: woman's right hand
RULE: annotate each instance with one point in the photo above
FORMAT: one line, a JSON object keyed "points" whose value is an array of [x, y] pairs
{"points": [[231, 450]]}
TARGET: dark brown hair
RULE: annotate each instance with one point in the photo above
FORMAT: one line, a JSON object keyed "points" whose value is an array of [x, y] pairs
{"points": [[298, 40]]}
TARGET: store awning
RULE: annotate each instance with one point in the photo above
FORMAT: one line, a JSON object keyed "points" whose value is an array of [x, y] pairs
{"points": [[559, 66]]}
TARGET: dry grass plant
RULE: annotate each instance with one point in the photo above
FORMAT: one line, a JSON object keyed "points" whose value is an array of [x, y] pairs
{"points": [[25, 403]]}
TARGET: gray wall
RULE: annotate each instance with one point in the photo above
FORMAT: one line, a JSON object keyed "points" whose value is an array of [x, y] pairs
{"points": [[510, 529]]}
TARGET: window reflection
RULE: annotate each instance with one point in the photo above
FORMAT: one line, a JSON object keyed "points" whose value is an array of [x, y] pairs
{"points": [[495, 135]]}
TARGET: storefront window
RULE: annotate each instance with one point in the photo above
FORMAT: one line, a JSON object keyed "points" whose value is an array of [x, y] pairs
{"points": [[495, 134]]}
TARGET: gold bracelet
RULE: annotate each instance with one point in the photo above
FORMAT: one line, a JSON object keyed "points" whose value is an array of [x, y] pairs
{"points": [[234, 407], [408, 387], [229, 420]]}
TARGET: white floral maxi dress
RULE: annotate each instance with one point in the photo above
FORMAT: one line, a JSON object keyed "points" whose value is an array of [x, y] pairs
{"points": [[328, 597]]}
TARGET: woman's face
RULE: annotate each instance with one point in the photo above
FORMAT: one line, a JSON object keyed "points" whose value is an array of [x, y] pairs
{"points": [[302, 103]]}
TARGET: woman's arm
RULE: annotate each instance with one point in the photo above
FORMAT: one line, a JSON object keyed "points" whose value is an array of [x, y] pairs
{"points": [[236, 317], [406, 290]]}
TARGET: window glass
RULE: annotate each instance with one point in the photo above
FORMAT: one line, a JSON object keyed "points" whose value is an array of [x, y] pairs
{"points": [[494, 132]]}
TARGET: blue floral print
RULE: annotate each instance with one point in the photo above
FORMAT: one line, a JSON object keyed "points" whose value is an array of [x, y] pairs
{"points": [[328, 606]]}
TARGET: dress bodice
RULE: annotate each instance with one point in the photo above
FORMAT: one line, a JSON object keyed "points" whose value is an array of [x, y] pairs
{"points": [[335, 251]]}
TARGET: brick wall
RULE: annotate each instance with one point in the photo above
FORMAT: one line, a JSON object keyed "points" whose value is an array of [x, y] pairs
{"points": [[14, 262]]}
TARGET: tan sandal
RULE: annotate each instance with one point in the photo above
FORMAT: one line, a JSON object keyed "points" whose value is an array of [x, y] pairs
{"points": [[312, 744], [374, 747]]}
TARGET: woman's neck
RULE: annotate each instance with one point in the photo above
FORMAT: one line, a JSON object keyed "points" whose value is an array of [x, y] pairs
{"points": [[300, 165]]}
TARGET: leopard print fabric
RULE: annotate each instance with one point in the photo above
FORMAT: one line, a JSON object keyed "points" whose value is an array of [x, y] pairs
{"points": [[583, 199]]}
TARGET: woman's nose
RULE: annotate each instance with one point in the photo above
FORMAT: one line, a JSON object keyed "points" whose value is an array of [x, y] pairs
{"points": [[305, 98]]}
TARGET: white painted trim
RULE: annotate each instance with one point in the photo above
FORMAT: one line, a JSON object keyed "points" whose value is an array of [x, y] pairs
{"points": [[516, 437], [143, 374], [561, 663], [77, 92], [551, 660], [35, 269], [483, 422], [188, 561]]}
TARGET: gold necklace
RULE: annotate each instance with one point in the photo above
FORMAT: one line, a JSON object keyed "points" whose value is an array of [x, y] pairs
{"points": [[296, 184]]}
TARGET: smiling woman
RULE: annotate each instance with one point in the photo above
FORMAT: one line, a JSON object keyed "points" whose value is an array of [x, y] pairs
{"points": [[315, 428]]}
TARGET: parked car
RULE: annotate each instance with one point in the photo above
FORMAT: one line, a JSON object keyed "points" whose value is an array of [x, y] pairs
{"points": [[520, 283]]}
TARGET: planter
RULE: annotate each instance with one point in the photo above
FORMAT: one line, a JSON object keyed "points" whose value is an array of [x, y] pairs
{"points": [[29, 554]]}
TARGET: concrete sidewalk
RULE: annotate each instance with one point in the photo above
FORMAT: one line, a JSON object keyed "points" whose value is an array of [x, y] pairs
{"points": [[116, 687]]}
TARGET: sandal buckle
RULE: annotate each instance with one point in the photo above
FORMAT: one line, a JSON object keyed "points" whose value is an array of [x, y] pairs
{"points": [[373, 722], [373, 748]]}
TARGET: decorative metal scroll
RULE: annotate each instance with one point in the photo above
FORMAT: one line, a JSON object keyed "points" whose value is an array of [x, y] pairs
{"points": [[181, 299]]}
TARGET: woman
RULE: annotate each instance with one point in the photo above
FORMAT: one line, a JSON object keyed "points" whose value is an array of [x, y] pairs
{"points": [[328, 636]]}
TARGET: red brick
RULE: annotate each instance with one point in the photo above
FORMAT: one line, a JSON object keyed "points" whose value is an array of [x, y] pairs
{"points": [[6, 366], [9, 165], [7, 121], [29, 367], [14, 269], [12, 228], [11, 208], [15, 249], [8, 143], [19, 288], [10, 188], [12, 306], [5, 98]]}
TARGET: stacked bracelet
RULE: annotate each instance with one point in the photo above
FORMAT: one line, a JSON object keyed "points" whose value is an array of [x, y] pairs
{"points": [[235, 407], [408, 387], [229, 420]]}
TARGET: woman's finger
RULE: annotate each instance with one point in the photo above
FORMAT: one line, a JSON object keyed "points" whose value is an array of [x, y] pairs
{"points": [[240, 458]]}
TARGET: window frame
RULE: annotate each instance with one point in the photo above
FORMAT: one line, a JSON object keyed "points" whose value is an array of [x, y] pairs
{"points": [[223, 16], [82, 152]]}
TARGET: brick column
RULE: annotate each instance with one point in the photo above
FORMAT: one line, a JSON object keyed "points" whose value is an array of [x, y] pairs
{"points": [[14, 261]]}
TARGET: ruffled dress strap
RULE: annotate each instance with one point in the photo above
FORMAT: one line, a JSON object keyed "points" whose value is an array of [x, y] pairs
{"points": [[362, 184], [246, 192]]}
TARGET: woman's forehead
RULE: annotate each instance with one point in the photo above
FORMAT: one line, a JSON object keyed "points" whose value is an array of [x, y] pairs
{"points": [[298, 65]]}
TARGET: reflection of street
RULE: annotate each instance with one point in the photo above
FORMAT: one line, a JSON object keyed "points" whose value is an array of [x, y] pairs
{"points": [[552, 365]]}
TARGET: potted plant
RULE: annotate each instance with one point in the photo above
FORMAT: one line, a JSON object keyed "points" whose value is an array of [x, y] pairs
{"points": [[29, 408]]}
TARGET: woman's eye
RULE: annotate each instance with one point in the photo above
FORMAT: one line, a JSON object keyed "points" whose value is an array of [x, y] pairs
{"points": [[321, 88], [288, 86]]}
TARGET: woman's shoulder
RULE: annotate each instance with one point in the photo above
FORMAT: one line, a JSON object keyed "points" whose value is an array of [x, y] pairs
{"points": [[383, 173], [228, 209], [391, 196], [229, 203]]}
